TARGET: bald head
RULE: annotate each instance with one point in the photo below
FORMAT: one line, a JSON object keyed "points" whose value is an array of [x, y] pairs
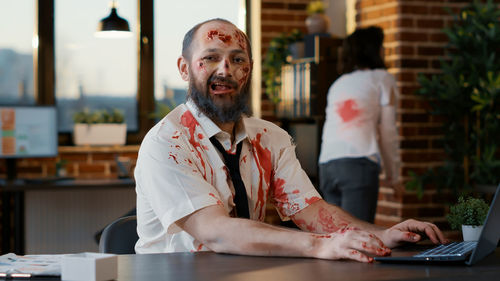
{"points": [[187, 43]]}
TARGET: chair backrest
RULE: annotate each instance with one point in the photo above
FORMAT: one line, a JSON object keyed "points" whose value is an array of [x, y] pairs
{"points": [[120, 236]]}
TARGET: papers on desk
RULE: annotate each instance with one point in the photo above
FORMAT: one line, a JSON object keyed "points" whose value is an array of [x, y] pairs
{"points": [[12, 265], [76, 267]]}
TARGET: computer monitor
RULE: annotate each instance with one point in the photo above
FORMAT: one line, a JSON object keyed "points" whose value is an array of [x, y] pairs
{"points": [[28, 131]]}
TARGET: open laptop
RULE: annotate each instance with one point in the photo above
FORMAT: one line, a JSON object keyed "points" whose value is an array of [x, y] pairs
{"points": [[463, 252]]}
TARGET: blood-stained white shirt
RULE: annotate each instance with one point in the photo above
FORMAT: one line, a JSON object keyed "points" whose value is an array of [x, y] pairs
{"points": [[179, 171], [353, 114]]}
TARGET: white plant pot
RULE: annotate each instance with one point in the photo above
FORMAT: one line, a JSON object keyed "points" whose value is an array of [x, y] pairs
{"points": [[100, 134], [471, 232]]}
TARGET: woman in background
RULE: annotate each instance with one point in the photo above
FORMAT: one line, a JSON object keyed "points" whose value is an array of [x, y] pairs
{"points": [[360, 128]]}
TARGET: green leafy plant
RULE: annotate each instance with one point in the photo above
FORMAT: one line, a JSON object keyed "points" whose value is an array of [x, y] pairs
{"points": [[315, 7], [466, 95], [61, 167], [275, 57], [468, 211], [87, 116]]}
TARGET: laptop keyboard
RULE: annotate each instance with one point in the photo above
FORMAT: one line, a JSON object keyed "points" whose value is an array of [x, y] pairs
{"points": [[453, 249]]}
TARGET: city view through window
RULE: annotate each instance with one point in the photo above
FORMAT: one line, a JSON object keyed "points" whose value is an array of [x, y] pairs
{"points": [[16, 52], [101, 73]]}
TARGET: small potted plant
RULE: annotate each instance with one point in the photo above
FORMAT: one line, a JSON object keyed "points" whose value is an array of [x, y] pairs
{"points": [[99, 127], [317, 21], [468, 214]]}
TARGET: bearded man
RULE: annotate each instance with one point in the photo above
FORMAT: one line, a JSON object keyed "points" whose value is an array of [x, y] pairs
{"points": [[206, 171]]}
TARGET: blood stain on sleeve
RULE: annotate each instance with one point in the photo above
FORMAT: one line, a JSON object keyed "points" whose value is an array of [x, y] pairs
{"points": [[218, 200], [311, 200], [280, 196]]}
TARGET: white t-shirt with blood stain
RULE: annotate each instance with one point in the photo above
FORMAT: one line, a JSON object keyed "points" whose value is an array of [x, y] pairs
{"points": [[353, 111], [179, 171]]}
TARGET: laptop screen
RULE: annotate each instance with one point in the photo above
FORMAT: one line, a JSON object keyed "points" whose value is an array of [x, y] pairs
{"points": [[490, 235]]}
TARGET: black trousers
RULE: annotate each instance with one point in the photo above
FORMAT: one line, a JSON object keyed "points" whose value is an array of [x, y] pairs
{"points": [[351, 183]]}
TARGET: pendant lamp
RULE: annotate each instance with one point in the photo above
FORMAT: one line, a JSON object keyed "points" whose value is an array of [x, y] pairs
{"points": [[113, 26]]}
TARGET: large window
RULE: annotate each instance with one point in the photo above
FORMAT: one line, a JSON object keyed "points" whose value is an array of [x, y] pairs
{"points": [[66, 65], [172, 20], [16, 52], [91, 72]]}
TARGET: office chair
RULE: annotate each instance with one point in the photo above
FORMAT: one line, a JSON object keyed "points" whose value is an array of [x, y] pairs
{"points": [[120, 236]]}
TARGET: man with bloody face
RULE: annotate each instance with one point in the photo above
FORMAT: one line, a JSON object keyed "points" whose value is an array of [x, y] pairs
{"points": [[191, 197]]}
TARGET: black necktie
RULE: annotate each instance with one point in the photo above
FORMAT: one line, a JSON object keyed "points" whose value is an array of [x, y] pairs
{"points": [[232, 162]]}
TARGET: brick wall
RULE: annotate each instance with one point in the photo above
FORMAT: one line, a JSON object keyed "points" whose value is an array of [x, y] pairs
{"points": [[413, 44]]}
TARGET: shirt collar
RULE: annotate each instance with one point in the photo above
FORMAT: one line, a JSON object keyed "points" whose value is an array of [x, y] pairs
{"points": [[211, 129], [206, 123]]}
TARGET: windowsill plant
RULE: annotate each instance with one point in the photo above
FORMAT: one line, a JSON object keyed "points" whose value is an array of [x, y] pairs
{"points": [[99, 127]]}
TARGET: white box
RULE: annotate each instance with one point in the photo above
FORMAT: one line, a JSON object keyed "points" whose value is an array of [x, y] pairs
{"points": [[89, 267]]}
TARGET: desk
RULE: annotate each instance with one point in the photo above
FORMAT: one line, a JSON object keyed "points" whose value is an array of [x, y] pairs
{"points": [[13, 234], [209, 266]]}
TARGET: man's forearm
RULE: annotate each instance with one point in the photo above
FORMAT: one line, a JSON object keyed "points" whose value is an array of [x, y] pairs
{"points": [[220, 233], [321, 217], [247, 237]]}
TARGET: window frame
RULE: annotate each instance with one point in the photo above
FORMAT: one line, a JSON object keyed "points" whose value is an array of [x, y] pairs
{"points": [[44, 63]]}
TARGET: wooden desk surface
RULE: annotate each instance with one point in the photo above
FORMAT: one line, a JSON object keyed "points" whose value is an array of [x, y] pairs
{"points": [[210, 266]]}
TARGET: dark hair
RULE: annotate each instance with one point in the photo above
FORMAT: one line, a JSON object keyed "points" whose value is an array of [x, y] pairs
{"points": [[188, 38], [361, 49]]}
